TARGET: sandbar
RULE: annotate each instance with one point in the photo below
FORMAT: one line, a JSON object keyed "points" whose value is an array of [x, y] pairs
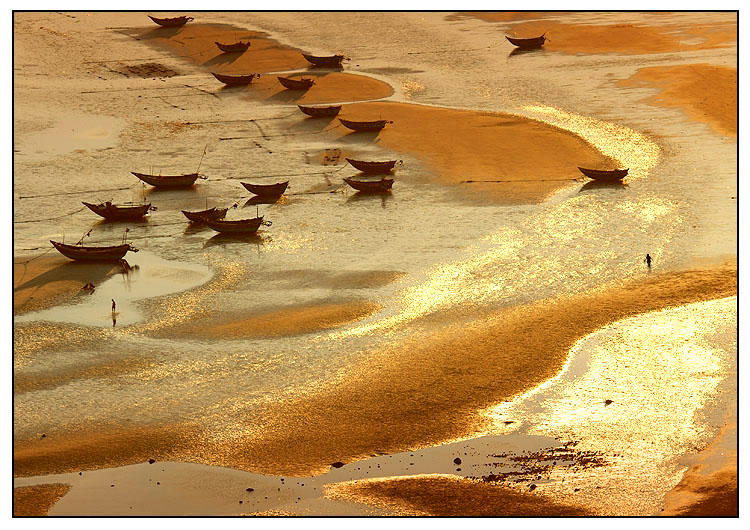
{"points": [[35, 501]]}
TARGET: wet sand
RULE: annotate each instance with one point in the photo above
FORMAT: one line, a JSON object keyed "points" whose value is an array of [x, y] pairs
{"points": [[35, 501], [708, 94]]}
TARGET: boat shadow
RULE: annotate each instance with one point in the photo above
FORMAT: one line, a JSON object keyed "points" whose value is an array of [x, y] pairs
{"points": [[594, 185], [224, 58], [364, 196], [82, 271], [523, 51], [194, 228], [223, 240], [359, 137], [260, 199]]}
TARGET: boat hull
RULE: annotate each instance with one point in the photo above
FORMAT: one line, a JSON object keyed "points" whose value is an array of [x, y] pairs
{"points": [[266, 190], [201, 216], [243, 226], [332, 61], [296, 84], [527, 44], [168, 181], [81, 253], [233, 48], [372, 167], [171, 22], [118, 213], [320, 112], [235, 80], [606, 176], [373, 186], [363, 125]]}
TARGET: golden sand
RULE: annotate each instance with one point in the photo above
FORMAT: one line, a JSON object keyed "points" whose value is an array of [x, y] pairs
{"points": [[447, 496], [706, 93], [35, 501]]}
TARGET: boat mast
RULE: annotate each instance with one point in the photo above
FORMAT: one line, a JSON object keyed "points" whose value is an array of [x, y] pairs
{"points": [[201, 161]]}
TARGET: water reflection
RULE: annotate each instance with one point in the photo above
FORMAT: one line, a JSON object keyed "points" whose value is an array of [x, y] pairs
{"points": [[223, 240], [382, 196], [596, 185]]}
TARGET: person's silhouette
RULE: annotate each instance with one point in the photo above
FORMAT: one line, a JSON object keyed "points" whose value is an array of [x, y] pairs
{"points": [[648, 260], [114, 305]]}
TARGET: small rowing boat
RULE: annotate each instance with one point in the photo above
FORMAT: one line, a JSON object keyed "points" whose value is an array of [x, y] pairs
{"points": [[241, 226], [266, 190], [372, 167], [320, 112], [370, 186], [173, 22], [235, 80], [239, 46], [89, 253], [606, 175], [201, 216], [169, 181], [364, 125], [118, 213], [329, 61], [296, 84], [527, 44]]}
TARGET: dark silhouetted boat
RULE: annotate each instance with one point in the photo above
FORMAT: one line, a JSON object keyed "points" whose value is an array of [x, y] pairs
{"points": [[119, 213], [266, 190], [235, 80], [364, 125], [201, 216], [370, 186], [320, 112], [296, 84], [90, 253], [171, 22], [372, 167], [527, 44], [233, 48], [604, 175], [169, 181], [329, 61], [241, 226]]}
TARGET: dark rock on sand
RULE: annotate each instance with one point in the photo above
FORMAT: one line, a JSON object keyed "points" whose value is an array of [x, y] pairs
{"points": [[337, 464]]}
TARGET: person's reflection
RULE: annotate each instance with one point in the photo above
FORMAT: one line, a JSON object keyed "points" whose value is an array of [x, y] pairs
{"points": [[114, 319]]}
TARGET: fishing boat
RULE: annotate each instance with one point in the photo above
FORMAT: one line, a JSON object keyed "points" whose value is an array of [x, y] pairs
{"points": [[296, 84], [90, 253], [119, 213], [171, 22], [527, 44], [372, 167], [241, 226], [239, 46], [235, 80], [370, 186], [201, 216], [605, 175], [320, 112], [329, 61], [364, 125], [169, 181], [266, 190]]}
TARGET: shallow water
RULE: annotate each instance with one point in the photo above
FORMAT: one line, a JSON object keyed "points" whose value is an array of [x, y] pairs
{"points": [[447, 252]]}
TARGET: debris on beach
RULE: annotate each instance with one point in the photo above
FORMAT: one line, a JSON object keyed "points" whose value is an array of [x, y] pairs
{"points": [[337, 464], [457, 461], [151, 460]]}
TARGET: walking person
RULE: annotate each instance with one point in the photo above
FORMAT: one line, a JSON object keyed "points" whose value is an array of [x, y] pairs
{"points": [[648, 260], [113, 305]]}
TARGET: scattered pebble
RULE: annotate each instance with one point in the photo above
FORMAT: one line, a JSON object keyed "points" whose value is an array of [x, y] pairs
{"points": [[532, 487], [249, 489], [151, 460], [457, 461], [336, 465]]}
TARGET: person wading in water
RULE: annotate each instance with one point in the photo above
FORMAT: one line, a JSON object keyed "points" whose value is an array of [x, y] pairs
{"points": [[113, 305], [647, 260]]}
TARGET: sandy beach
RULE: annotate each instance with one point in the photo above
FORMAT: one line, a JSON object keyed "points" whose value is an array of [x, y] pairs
{"points": [[254, 356]]}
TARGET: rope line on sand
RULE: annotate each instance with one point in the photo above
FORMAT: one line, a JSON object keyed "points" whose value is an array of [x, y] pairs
{"points": [[520, 180], [266, 137], [74, 192], [449, 50], [49, 218]]}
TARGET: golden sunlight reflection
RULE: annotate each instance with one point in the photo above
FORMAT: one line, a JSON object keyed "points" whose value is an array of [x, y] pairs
{"points": [[634, 390], [410, 87], [630, 148]]}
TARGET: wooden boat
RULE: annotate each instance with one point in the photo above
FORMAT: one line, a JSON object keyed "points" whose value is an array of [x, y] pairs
{"points": [[329, 61], [610, 175], [320, 112], [241, 226], [296, 84], [372, 167], [527, 44], [169, 181], [234, 80], [201, 216], [370, 186], [364, 125], [239, 46], [118, 213], [89, 253], [266, 190], [171, 22]]}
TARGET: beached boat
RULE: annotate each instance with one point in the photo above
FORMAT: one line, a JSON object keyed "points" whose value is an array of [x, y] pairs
{"points": [[266, 190], [171, 22], [169, 181], [364, 125], [201, 216], [372, 167], [89, 253], [320, 112], [241, 226], [296, 84], [235, 80], [239, 46], [527, 44], [370, 186], [606, 175], [329, 61], [118, 213]]}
